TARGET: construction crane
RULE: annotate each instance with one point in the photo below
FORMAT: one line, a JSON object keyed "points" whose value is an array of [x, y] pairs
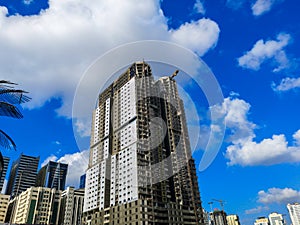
{"points": [[174, 74], [221, 203]]}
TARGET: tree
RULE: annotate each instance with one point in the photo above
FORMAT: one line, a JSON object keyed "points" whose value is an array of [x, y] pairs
{"points": [[9, 99]]}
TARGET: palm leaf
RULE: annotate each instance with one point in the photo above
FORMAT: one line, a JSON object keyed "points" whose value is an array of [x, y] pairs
{"points": [[6, 82], [13, 96], [7, 109], [6, 141]]}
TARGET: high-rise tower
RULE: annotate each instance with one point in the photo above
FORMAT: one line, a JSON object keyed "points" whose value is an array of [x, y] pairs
{"points": [[22, 174], [140, 168], [52, 175]]}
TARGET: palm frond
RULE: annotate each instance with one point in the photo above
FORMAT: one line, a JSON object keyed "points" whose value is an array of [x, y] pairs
{"points": [[13, 96], [6, 82], [6, 141], [7, 109]]}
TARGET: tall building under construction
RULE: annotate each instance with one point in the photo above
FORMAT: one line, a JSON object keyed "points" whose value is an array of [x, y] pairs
{"points": [[140, 169]]}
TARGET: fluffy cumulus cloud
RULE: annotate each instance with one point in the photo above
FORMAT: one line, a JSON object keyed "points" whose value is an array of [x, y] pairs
{"points": [[263, 51], [287, 84], [243, 149], [189, 34], [277, 195], [235, 112], [262, 6], [269, 151], [48, 53]]}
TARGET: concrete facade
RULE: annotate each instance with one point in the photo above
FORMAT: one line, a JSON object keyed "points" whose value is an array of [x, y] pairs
{"points": [[37, 205], [4, 203], [71, 206], [140, 168]]}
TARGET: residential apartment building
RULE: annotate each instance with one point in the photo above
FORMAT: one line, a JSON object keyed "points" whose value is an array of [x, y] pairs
{"points": [[294, 211], [37, 205], [52, 175], [218, 217], [140, 168], [276, 219], [22, 175], [4, 202], [71, 206], [233, 220]]}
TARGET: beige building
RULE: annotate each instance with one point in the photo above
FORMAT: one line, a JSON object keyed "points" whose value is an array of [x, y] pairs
{"points": [[276, 219], [71, 206], [37, 205], [261, 221], [233, 220], [4, 202]]}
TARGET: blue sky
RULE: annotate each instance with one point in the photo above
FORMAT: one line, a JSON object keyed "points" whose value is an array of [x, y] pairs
{"points": [[252, 47]]}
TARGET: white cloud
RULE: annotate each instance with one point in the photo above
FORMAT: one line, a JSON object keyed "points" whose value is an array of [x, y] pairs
{"points": [[77, 165], [197, 35], [199, 7], [267, 50], [296, 137], [269, 151], [235, 112], [51, 51], [257, 210], [280, 196], [83, 127], [56, 142], [243, 149], [287, 84], [262, 6], [49, 158]]}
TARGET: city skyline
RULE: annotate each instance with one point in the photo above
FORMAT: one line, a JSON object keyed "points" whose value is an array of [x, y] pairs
{"points": [[252, 47]]}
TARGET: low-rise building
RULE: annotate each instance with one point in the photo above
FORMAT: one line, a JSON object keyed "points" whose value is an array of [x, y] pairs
{"points": [[71, 206], [261, 221], [4, 202], [37, 205], [233, 220]]}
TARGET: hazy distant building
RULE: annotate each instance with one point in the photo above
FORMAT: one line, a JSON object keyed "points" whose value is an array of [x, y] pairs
{"points": [[22, 175], [276, 219], [233, 220], [123, 185], [294, 211], [4, 202], [71, 206], [3, 172], [82, 181], [52, 175], [218, 217], [262, 221], [37, 205]]}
